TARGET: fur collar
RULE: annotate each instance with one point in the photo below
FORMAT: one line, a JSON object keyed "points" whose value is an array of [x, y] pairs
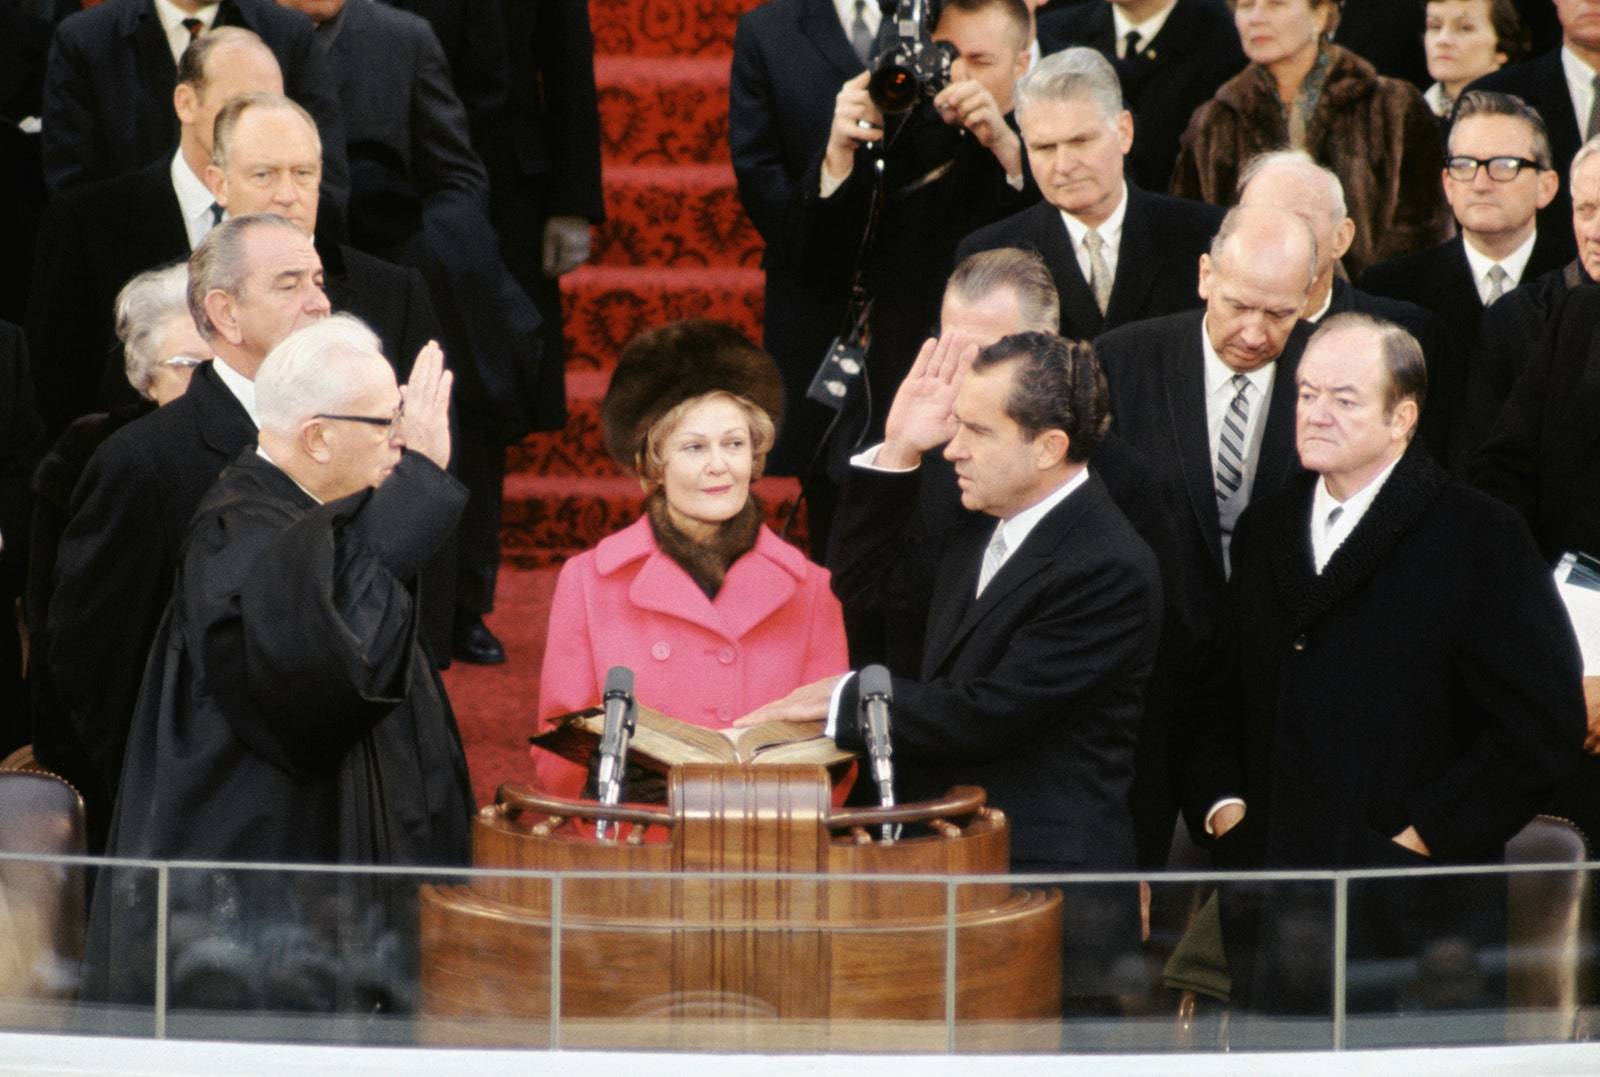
{"points": [[1254, 96], [707, 563], [1409, 492]]}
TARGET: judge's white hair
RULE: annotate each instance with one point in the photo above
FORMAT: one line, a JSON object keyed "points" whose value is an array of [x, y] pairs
{"points": [[310, 372]]}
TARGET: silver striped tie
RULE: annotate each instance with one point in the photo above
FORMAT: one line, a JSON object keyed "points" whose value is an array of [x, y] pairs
{"points": [[1230, 447]]}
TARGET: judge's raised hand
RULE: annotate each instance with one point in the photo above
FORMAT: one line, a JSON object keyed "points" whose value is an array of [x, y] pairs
{"points": [[425, 400], [808, 703], [922, 415], [856, 121]]}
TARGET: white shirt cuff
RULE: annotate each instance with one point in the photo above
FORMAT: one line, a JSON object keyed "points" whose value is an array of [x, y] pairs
{"points": [[868, 459], [1218, 806], [829, 184], [1015, 181], [833, 706]]}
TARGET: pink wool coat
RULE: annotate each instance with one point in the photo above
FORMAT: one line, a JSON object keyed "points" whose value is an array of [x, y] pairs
{"points": [[773, 627]]}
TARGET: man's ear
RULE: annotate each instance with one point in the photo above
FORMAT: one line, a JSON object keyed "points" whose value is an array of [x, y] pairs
{"points": [[220, 310], [185, 102], [314, 440], [217, 184], [1050, 449]]}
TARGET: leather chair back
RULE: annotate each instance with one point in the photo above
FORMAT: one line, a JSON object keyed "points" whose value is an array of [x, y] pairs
{"points": [[42, 905], [1547, 915]]}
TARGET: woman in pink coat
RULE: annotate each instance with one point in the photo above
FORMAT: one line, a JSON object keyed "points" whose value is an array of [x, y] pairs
{"points": [[714, 613]]}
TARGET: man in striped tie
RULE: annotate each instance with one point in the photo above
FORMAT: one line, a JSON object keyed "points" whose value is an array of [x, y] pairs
{"points": [[1208, 395]]}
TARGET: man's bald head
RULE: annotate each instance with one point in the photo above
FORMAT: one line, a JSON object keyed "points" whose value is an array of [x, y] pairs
{"points": [[1291, 180], [1255, 281], [217, 67], [1261, 235], [267, 158]]}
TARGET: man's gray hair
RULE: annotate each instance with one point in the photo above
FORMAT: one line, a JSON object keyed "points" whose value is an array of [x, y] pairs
{"points": [[1307, 165], [1072, 75], [228, 119], [218, 264], [309, 372], [144, 307], [1585, 151], [1021, 272]]}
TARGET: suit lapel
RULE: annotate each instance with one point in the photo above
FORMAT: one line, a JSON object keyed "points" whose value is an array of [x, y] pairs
{"points": [[1566, 132], [225, 427], [1080, 314], [819, 21], [157, 73], [1185, 384], [1139, 241], [1278, 452], [1455, 281], [961, 560]]}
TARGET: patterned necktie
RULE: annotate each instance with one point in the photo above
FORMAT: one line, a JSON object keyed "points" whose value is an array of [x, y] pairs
{"points": [[1593, 126], [860, 34], [1099, 272], [1230, 446], [1497, 284], [993, 556], [195, 28], [1130, 45]]}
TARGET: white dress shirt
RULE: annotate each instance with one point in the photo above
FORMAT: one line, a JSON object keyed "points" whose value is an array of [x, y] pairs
{"points": [[1327, 533], [1322, 312], [1016, 530], [1219, 397], [171, 17], [1110, 231], [1514, 264], [242, 388], [194, 200], [1438, 104], [1147, 29], [1580, 87]]}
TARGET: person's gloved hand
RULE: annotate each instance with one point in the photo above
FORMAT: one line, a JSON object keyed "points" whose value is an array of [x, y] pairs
{"points": [[566, 244]]}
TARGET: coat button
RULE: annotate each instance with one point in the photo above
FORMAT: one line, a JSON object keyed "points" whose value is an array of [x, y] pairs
{"points": [[725, 713], [661, 652], [1299, 643], [726, 656]]}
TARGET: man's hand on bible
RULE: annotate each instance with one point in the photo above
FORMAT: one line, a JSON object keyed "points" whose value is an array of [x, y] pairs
{"points": [[425, 424], [1410, 839], [808, 703], [1226, 818], [922, 415]]}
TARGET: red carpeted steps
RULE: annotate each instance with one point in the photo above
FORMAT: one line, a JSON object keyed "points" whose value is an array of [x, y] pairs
{"points": [[676, 244]]}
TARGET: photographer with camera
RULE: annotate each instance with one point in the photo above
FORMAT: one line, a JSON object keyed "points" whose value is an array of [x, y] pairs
{"points": [[922, 150]]}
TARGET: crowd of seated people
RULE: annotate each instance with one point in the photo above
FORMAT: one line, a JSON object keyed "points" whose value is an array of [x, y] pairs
{"points": [[1216, 399]]}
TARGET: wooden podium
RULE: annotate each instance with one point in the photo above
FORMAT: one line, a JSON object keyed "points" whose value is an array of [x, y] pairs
{"points": [[766, 964]]}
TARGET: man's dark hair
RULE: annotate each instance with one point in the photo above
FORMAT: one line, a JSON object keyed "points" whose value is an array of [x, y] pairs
{"points": [[1401, 354], [1058, 386], [1489, 103], [192, 63], [1016, 13]]}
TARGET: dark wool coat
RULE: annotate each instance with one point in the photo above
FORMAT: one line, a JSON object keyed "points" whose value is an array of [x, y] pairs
{"points": [[1376, 133]]}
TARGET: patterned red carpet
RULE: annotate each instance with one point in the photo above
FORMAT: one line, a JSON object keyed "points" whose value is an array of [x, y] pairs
{"points": [[676, 244]]}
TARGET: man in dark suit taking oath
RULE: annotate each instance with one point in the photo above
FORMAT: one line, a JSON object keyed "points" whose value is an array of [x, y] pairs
{"points": [[1209, 395], [1396, 684], [1117, 253]]}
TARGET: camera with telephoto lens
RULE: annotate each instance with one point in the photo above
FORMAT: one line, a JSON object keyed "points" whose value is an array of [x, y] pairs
{"points": [[909, 64]]}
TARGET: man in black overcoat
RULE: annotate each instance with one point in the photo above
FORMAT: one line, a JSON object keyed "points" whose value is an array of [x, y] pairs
{"points": [[1176, 381], [108, 86], [1118, 253], [1395, 685], [1184, 51]]}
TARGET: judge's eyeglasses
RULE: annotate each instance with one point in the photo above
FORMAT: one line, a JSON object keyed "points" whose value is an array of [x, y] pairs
{"points": [[387, 422]]}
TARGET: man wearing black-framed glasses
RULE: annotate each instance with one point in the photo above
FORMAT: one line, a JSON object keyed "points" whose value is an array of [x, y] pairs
{"points": [[1498, 175]]}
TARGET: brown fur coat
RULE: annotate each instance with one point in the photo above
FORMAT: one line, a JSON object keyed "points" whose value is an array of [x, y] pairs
{"points": [[1376, 133]]}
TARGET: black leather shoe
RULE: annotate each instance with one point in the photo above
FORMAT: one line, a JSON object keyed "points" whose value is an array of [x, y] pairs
{"points": [[476, 644]]}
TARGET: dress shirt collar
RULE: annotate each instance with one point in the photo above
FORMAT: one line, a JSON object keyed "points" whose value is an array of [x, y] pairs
{"points": [[242, 388], [264, 455], [1147, 29], [1580, 85], [1322, 312], [1325, 539], [1219, 375], [171, 17], [870, 14], [1018, 527], [1110, 229], [194, 199], [1438, 103], [1513, 263]]}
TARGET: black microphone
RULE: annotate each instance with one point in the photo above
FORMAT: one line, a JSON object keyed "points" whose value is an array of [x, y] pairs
{"points": [[621, 715], [874, 694]]}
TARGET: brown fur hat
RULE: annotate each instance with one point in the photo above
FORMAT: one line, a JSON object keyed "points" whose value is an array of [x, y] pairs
{"points": [[662, 367]]}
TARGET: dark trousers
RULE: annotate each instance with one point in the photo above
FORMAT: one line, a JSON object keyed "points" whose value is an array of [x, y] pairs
{"points": [[481, 462]]}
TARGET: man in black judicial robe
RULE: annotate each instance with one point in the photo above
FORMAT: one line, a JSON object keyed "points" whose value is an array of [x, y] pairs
{"points": [[288, 713]]}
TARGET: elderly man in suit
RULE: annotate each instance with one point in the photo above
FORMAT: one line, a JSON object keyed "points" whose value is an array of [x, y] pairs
{"points": [[112, 70], [1396, 684], [1292, 180], [1498, 174], [1119, 254], [1171, 55], [158, 213], [1208, 395]]}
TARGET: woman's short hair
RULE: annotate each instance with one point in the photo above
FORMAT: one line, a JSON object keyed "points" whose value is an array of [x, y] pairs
{"points": [[144, 307], [1510, 35], [653, 457]]}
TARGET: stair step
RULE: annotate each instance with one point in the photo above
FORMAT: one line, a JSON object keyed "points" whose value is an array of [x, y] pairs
{"points": [[578, 449], [662, 111], [547, 519], [607, 306], [675, 215], [665, 27]]}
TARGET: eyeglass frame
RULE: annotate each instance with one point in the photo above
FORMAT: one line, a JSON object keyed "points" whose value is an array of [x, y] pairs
{"points": [[1486, 163], [388, 424], [182, 362]]}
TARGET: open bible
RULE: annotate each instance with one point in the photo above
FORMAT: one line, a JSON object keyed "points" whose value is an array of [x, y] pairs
{"points": [[660, 742]]}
